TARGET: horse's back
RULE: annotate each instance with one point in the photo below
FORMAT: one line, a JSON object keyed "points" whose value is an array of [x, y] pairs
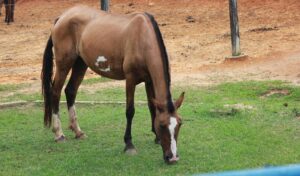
{"points": [[72, 22], [112, 34], [91, 34], [119, 39]]}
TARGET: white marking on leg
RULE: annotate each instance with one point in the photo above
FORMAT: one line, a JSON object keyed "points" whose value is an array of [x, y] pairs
{"points": [[73, 119], [57, 126], [172, 126], [72, 112]]}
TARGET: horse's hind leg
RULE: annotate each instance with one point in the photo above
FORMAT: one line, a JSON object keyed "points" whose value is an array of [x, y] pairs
{"points": [[78, 72], [62, 70]]}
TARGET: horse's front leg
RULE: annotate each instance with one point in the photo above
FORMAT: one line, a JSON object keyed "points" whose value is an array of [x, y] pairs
{"points": [[130, 89]]}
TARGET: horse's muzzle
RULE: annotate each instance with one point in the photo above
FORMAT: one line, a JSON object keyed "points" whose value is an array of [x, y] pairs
{"points": [[171, 159]]}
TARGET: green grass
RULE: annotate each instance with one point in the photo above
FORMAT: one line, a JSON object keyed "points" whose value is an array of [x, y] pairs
{"points": [[10, 87], [215, 135], [95, 80]]}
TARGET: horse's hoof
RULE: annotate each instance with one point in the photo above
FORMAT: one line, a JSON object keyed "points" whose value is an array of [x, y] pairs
{"points": [[131, 151], [62, 138], [80, 136]]}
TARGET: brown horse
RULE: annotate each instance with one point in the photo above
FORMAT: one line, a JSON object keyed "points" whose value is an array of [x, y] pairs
{"points": [[119, 47]]}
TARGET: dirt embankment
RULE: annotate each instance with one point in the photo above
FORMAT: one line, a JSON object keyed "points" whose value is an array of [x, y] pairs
{"points": [[196, 34]]}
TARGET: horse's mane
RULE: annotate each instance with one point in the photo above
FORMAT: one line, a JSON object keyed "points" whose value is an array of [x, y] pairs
{"points": [[165, 60]]}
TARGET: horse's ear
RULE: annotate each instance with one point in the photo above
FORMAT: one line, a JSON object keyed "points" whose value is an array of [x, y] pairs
{"points": [[179, 101], [158, 105]]}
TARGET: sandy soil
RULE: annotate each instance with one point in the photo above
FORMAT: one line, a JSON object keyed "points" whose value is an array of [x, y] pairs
{"points": [[196, 34]]}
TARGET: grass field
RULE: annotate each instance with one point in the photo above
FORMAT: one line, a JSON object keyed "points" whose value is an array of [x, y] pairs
{"points": [[229, 126]]}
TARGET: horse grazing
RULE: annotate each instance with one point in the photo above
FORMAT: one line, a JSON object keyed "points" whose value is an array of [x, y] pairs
{"points": [[115, 46], [9, 10]]}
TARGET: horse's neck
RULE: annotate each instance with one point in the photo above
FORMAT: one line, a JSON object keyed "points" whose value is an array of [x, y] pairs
{"points": [[157, 63], [160, 90], [159, 82]]}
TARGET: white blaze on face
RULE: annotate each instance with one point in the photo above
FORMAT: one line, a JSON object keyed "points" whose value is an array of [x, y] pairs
{"points": [[102, 59], [172, 126]]}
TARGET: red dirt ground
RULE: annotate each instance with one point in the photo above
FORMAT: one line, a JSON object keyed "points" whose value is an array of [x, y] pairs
{"points": [[196, 34]]}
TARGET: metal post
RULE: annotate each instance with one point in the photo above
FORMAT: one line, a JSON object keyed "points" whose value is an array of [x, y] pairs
{"points": [[234, 25], [104, 5]]}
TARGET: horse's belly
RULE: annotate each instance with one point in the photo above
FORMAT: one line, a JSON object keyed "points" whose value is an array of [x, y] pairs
{"points": [[112, 74]]}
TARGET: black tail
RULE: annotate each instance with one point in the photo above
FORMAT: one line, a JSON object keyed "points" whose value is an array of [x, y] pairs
{"points": [[47, 83]]}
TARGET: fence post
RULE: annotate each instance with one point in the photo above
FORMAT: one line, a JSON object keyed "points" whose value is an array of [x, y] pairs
{"points": [[104, 5], [235, 33], [234, 26]]}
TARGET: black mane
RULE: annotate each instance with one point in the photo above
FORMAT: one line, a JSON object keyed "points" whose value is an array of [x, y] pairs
{"points": [[165, 61]]}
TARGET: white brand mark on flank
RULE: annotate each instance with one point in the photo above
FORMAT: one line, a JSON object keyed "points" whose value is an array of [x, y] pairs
{"points": [[99, 60], [102, 59], [172, 126], [105, 69]]}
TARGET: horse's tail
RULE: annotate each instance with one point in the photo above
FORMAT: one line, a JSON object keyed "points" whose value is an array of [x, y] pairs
{"points": [[47, 82]]}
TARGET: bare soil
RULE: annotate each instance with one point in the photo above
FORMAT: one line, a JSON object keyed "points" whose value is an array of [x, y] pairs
{"points": [[196, 33]]}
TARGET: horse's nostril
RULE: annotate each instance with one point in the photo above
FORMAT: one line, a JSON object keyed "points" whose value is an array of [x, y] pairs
{"points": [[167, 158]]}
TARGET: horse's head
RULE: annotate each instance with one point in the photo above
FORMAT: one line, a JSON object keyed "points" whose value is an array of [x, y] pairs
{"points": [[167, 125]]}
